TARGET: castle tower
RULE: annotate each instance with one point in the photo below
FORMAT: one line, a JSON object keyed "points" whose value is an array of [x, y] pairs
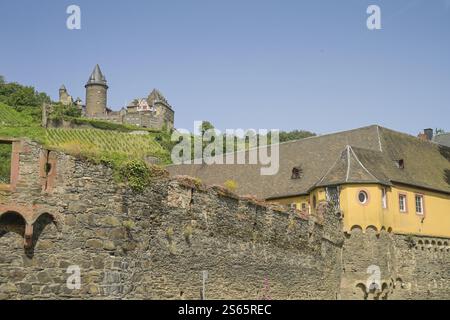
{"points": [[96, 94], [64, 96], [163, 110]]}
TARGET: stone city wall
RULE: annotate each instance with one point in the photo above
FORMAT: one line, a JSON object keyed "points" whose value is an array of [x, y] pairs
{"points": [[409, 267], [172, 241]]}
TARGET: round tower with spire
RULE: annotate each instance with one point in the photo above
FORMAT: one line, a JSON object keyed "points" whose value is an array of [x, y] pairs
{"points": [[96, 94]]}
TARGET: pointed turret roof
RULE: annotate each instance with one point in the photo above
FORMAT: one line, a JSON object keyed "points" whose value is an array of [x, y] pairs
{"points": [[63, 87], [97, 77], [351, 167], [156, 95]]}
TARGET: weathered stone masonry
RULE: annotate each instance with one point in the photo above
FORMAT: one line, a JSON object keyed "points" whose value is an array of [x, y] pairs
{"points": [[153, 245], [156, 244], [411, 267]]}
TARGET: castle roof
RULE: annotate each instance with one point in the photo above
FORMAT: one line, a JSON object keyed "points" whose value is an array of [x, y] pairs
{"points": [[351, 167], [157, 96], [63, 87], [96, 77], [370, 154]]}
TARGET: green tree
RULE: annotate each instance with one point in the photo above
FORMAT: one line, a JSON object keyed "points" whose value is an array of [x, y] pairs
{"points": [[205, 126], [295, 135], [16, 95], [61, 111], [5, 163]]}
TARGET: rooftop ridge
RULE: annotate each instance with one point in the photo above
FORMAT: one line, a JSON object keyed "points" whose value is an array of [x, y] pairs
{"points": [[287, 142]]}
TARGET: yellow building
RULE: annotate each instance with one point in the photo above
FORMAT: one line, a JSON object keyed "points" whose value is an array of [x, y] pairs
{"points": [[377, 177]]}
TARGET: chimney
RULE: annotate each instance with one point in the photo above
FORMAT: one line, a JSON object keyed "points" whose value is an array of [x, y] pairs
{"points": [[428, 133]]}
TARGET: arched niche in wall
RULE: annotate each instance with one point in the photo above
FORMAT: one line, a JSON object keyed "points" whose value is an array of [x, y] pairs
{"points": [[11, 221], [28, 225], [361, 291]]}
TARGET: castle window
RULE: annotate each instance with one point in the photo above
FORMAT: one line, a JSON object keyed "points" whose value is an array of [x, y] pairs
{"points": [[303, 206], [5, 162], [363, 197], [419, 204], [297, 173], [293, 206], [402, 203]]}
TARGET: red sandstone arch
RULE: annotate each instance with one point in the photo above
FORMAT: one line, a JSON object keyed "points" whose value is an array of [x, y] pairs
{"points": [[17, 220], [29, 215], [8, 217]]}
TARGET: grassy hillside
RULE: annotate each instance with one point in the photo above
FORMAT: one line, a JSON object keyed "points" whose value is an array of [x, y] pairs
{"points": [[109, 143], [105, 145], [9, 117], [5, 165]]}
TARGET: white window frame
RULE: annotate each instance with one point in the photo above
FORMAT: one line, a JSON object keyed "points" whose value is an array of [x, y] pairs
{"points": [[384, 198], [401, 197], [366, 195], [420, 212]]}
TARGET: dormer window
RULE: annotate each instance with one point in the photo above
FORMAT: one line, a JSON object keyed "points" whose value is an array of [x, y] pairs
{"points": [[297, 173], [400, 163]]}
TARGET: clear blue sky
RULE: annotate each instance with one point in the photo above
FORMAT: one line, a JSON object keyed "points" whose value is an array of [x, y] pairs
{"points": [[244, 63]]}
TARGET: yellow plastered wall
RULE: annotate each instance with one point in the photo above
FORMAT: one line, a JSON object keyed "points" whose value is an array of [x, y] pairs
{"points": [[434, 222], [436, 218], [308, 200], [298, 201], [364, 215], [320, 195]]}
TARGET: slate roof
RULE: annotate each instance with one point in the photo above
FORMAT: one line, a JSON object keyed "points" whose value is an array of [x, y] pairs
{"points": [[364, 155], [97, 77], [157, 96], [350, 167]]}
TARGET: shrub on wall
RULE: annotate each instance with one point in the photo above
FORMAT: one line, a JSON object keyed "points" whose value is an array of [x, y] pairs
{"points": [[231, 185], [136, 174]]}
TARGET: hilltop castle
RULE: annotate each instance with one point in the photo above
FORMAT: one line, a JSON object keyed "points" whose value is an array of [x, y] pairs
{"points": [[153, 112]]}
